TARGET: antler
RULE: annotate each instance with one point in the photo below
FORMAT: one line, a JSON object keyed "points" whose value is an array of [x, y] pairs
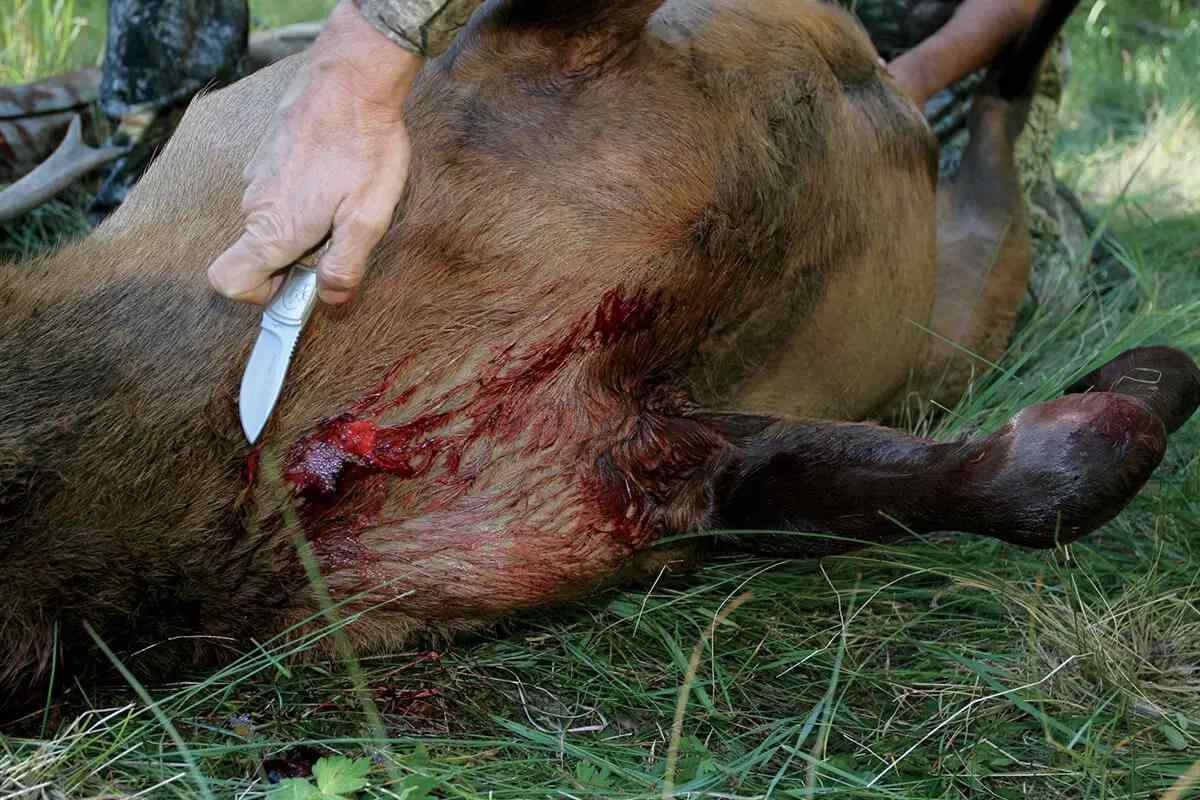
{"points": [[72, 160], [34, 117]]}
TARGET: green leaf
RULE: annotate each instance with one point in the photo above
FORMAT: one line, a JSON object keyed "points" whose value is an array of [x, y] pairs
{"points": [[591, 776], [1175, 739], [416, 787], [340, 777], [419, 756], [694, 761], [294, 789]]}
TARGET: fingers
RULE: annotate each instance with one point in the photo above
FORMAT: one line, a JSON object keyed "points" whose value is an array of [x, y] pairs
{"points": [[355, 235], [332, 160], [245, 271]]}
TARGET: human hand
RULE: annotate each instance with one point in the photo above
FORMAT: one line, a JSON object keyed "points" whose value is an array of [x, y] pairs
{"points": [[335, 157]]}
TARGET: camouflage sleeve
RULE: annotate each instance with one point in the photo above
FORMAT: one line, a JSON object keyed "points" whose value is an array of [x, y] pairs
{"points": [[426, 27]]}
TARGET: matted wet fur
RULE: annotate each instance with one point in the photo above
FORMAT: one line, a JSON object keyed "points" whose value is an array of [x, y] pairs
{"points": [[637, 243]]}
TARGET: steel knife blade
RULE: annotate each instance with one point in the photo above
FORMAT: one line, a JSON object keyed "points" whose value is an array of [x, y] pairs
{"points": [[282, 324]]}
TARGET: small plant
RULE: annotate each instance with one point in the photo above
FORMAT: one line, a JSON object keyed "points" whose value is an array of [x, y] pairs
{"points": [[337, 778], [341, 778]]}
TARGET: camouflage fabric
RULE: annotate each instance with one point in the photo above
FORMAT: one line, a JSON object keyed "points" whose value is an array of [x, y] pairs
{"points": [[899, 25], [158, 54], [426, 27], [161, 52]]}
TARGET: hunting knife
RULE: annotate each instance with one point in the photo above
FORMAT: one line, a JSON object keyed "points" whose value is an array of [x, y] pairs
{"points": [[282, 323]]}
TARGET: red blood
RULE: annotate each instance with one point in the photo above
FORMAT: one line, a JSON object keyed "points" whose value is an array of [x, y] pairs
{"points": [[250, 468], [343, 470], [623, 509], [317, 467], [618, 316]]}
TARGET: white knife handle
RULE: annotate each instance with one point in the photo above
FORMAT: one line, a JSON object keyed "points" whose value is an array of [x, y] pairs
{"points": [[296, 299]]}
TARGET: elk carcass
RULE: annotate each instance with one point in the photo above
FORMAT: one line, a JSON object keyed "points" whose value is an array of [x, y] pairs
{"points": [[652, 260]]}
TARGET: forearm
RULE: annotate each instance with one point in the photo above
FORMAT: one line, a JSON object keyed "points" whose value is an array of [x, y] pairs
{"points": [[973, 38], [424, 27]]}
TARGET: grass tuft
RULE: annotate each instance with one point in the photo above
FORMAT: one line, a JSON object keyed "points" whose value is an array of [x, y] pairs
{"points": [[37, 38]]}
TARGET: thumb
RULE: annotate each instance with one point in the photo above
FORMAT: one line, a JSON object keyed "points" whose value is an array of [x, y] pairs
{"points": [[244, 272]]}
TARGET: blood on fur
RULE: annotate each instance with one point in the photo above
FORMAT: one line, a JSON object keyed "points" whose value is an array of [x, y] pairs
{"points": [[352, 459]]}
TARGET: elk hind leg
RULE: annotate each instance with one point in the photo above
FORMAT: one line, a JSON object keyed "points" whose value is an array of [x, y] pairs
{"points": [[1056, 471], [984, 255], [984, 252]]}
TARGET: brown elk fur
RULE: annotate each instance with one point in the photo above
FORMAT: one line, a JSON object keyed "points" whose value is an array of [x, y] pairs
{"points": [[608, 230]]}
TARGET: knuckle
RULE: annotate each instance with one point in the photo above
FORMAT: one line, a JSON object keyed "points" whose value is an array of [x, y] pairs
{"points": [[259, 252], [265, 231]]}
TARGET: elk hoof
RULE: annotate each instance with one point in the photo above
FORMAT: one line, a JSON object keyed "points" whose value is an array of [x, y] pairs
{"points": [[1061, 469], [1167, 379]]}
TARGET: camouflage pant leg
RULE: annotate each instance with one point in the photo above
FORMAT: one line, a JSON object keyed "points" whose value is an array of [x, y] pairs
{"points": [[161, 52], [1061, 239]]}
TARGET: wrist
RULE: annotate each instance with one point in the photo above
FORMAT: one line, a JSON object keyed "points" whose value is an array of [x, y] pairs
{"points": [[370, 64]]}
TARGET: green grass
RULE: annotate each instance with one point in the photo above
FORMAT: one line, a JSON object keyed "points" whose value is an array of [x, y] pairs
{"points": [[947, 667], [1131, 115]]}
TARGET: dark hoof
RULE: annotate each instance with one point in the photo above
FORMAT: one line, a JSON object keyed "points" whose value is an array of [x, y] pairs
{"points": [[1061, 469], [1166, 379]]}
